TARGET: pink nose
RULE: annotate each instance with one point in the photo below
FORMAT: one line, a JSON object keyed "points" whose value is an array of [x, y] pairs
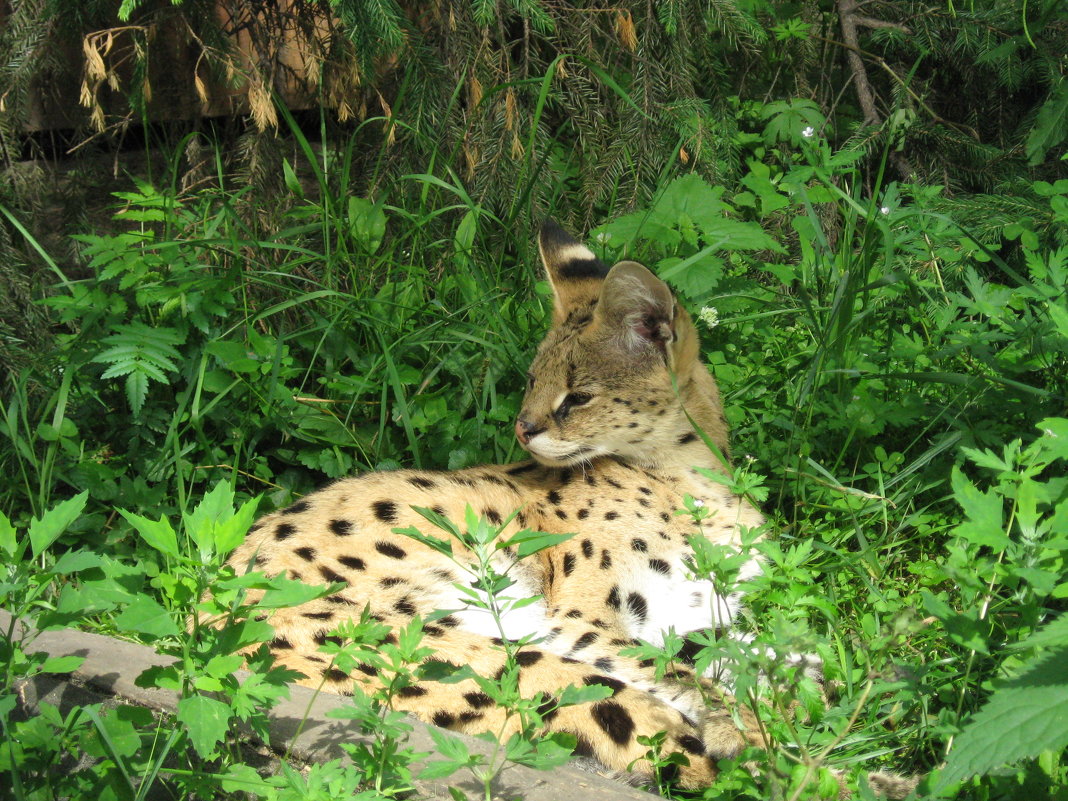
{"points": [[524, 430], [521, 432]]}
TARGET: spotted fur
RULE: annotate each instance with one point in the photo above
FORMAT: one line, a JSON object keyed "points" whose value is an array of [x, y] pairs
{"points": [[607, 419]]}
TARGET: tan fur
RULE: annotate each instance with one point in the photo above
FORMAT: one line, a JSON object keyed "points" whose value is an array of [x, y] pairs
{"points": [[612, 467]]}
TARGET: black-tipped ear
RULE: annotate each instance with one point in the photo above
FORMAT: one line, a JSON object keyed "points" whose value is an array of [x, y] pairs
{"points": [[573, 270], [639, 306]]}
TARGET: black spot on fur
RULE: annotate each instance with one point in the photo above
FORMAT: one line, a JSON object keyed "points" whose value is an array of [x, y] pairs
{"points": [[386, 511], [615, 685], [478, 699], [318, 615], [281, 643], [611, 515], [331, 575], [493, 516], [574, 614], [613, 483], [404, 606], [333, 674], [638, 606], [443, 719], [548, 709], [341, 528], [613, 598], [587, 548], [639, 545], [391, 581], [284, 530], [296, 509], [687, 438], [440, 510], [519, 469], [307, 554], [528, 658], [370, 670], [419, 481], [561, 514], [692, 745], [665, 517], [448, 622], [645, 491], [585, 640], [355, 562], [583, 514], [551, 576], [614, 720], [660, 566], [390, 550], [553, 497], [340, 600], [432, 630], [469, 717], [606, 559], [569, 563], [412, 691], [604, 663]]}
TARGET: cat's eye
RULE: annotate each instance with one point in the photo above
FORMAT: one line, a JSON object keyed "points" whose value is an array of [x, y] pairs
{"points": [[577, 399], [570, 401]]}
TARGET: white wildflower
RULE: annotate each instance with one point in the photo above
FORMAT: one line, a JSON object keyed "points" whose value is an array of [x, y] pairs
{"points": [[808, 132], [709, 315], [884, 210], [698, 503]]}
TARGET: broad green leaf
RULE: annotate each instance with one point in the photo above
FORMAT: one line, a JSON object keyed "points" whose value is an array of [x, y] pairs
{"points": [[286, 592], [7, 535], [76, 560], [215, 510], [206, 720], [54, 522], [159, 534], [573, 694], [1055, 436], [146, 616], [984, 524], [62, 664], [1054, 633], [1027, 715]]}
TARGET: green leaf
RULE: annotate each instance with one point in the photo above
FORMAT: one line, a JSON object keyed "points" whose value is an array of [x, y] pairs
{"points": [[159, 534], [1055, 436], [207, 722], [1054, 633], [1027, 715], [1051, 124], [7, 535], [74, 561], [146, 616], [984, 525], [62, 664], [54, 522], [528, 542], [455, 752]]}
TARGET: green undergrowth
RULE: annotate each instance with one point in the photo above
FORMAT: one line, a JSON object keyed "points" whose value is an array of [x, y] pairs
{"points": [[896, 384]]}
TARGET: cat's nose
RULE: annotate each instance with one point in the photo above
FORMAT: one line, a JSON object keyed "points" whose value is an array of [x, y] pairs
{"points": [[524, 430]]}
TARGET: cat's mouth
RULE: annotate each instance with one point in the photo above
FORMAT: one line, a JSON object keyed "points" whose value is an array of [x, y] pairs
{"points": [[554, 453]]}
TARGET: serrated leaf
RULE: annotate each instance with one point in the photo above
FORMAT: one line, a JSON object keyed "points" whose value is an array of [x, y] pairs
{"points": [[136, 392], [54, 522], [159, 534], [455, 752], [1026, 716], [984, 525], [206, 721], [146, 616]]}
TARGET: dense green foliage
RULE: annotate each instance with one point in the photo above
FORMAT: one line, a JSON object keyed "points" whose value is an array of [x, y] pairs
{"points": [[881, 283]]}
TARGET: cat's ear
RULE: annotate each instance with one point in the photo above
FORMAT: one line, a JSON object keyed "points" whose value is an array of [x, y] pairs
{"points": [[574, 272], [639, 308]]}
